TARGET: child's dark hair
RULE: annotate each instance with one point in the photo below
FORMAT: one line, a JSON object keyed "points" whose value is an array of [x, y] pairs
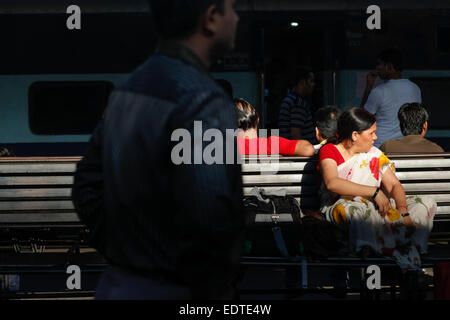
{"points": [[246, 115], [354, 119], [326, 119]]}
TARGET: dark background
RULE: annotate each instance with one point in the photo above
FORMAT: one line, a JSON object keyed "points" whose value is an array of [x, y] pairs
{"points": [[117, 36]]}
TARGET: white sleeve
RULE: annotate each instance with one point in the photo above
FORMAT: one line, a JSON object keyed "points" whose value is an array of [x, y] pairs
{"points": [[373, 101], [419, 98]]}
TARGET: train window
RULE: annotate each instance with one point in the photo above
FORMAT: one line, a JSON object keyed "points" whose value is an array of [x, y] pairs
{"points": [[435, 97], [57, 108]]}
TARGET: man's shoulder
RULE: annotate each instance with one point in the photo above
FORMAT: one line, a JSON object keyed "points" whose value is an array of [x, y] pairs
{"points": [[170, 88], [381, 87], [289, 99], [410, 83], [410, 144], [388, 85], [168, 78], [432, 146], [390, 145]]}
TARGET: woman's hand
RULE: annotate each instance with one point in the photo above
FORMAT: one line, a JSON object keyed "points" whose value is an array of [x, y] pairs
{"points": [[383, 203], [407, 221]]}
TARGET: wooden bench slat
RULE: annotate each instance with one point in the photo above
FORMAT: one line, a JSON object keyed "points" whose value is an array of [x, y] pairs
{"points": [[417, 187], [264, 179], [38, 168], [438, 197], [423, 175], [38, 180], [9, 218], [300, 166], [36, 205], [409, 187], [443, 210], [278, 179], [281, 166], [35, 193], [422, 163], [6, 160], [305, 190]]}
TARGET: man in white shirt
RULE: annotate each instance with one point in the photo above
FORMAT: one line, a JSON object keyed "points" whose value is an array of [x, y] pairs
{"points": [[385, 100]]}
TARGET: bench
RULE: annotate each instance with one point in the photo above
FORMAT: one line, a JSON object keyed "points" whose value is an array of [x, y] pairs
{"points": [[420, 174], [41, 233]]}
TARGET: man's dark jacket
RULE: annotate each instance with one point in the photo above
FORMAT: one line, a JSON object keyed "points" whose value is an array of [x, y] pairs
{"points": [[180, 224]]}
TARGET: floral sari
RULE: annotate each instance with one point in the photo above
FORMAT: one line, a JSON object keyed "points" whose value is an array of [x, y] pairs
{"points": [[387, 236]]}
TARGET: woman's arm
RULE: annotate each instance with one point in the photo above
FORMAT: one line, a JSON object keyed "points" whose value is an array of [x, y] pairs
{"points": [[343, 187], [340, 186], [395, 189], [304, 148]]}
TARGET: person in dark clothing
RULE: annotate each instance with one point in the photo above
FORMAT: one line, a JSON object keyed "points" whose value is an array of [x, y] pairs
{"points": [[169, 231], [295, 119]]}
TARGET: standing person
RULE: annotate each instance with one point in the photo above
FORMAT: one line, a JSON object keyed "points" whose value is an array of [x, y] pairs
{"points": [[295, 119], [413, 119], [385, 100], [354, 171], [169, 231]]}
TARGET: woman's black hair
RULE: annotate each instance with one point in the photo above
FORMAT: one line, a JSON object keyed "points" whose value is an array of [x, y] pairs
{"points": [[246, 115], [354, 119]]}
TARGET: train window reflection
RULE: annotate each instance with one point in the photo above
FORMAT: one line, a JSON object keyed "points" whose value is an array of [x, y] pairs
{"points": [[58, 108], [435, 97]]}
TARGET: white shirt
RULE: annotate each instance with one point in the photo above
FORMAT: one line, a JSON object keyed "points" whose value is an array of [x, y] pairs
{"points": [[318, 146], [384, 102]]}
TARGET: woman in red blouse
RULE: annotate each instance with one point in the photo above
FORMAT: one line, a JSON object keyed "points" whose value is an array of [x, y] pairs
{"points": [[249, 143], [361, 192]]}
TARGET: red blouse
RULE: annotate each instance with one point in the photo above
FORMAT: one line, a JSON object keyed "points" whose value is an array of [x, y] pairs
{"points": [[329, 151], [264, 145]]}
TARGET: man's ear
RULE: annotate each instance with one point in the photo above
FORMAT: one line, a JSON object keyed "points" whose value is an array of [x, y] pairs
{"points": [[318, 135], [424, 128], [209, 21], [355, 135]]}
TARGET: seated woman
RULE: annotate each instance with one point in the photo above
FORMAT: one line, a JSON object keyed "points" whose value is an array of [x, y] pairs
{"points": [[353, 172], [249, 143]]}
